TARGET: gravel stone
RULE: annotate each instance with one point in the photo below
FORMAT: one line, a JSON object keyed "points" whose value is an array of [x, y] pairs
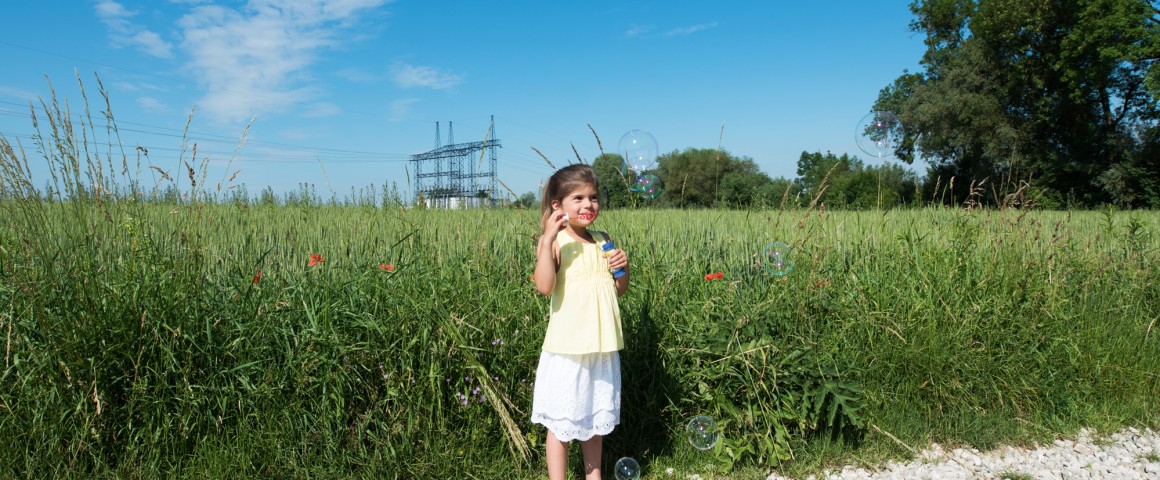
{"points": [[1122, 455]]}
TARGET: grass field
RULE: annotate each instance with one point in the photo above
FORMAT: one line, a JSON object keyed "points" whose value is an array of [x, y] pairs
{"points": [[140, 340], [185, 337]]}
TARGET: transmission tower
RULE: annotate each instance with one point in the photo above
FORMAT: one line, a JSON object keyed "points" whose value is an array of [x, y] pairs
{"points": [[453, 175]]}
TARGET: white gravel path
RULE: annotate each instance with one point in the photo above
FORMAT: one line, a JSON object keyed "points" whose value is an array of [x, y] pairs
{"points": [[1128, 454]]}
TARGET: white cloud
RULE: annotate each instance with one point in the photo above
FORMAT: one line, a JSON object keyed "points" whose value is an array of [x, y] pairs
{"points": [[635, 30], [408, 76], [297, 134], [690, 29], [152, 44], [256, 59], [23, 95], [357, 75], [401, 109], [125, 33], [134, 85], [152, 105], [322, 109]]}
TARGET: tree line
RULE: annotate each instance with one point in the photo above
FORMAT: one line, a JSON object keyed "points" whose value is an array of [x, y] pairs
{"points": [[711, 178]]}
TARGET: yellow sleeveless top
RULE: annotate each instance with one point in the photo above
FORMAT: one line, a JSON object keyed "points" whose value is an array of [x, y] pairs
{"points": [[585, 314]]}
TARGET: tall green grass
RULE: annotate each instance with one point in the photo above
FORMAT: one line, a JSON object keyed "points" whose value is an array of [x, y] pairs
{"points": [[140, 341]]}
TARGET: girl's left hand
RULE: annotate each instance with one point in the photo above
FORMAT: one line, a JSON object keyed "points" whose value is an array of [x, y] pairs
{"points": [[618, 259]]}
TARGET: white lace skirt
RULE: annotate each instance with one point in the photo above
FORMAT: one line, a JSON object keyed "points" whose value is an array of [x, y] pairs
{"points": [[577, 396]]}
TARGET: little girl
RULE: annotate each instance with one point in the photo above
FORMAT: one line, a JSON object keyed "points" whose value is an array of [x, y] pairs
{"points": [[577, 392]]}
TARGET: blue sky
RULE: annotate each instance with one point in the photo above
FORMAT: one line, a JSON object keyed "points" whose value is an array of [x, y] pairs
{"points": [[342, 92]]}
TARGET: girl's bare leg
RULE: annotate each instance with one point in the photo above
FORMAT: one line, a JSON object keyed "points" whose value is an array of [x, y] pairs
{"points": [[592, 449], [557, 453]]}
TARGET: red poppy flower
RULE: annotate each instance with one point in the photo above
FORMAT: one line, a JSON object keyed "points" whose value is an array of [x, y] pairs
{"points": [[720, 275], [390, 267], [710, 276], [315, 259], [257, 277]]}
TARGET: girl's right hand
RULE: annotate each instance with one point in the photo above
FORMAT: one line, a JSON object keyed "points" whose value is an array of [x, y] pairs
{"points": [[556, 222]]}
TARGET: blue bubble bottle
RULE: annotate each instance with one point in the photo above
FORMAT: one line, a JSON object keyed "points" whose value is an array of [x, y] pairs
{"points": [[607, 246]]}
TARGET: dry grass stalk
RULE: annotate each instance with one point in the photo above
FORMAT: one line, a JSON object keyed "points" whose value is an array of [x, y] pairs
{"points": [[518, 444], [325, 177], [237, 152], [785, 196], [486, 138], [508, 189], [598, 144], [578, 159], [821, 191], [164, 173], [974, 198], [1015, 199], [192, 178], [545, 157]]}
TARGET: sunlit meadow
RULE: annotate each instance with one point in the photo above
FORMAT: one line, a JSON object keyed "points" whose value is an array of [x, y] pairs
{"points": [[153, 326]]}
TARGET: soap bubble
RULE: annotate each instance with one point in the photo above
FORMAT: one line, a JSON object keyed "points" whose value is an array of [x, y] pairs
{"points": [[647, 185], [776, 259], [627, 469], [702, 432], [639, 149], [879, 134]]}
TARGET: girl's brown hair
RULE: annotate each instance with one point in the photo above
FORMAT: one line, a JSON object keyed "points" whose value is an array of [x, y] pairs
{"points": [[565, 181]]}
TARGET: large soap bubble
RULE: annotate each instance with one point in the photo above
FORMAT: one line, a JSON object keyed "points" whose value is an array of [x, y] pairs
{"points": [[647, 186], [627, 469], [879, 134], [639, 150], [776, 259], [702, 432]]}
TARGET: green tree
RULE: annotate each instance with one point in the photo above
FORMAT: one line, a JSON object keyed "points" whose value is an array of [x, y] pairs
{"points": [[779, 193], [816, 171], [869, 187], [267, 197], [744, 189], [1060, 91], [846, 182], [527, 200], [1135, 182], [613, 184], [696, 177]]}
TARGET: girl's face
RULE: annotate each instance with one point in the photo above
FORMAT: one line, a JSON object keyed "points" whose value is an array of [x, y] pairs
{"points": [[581, 205]]}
